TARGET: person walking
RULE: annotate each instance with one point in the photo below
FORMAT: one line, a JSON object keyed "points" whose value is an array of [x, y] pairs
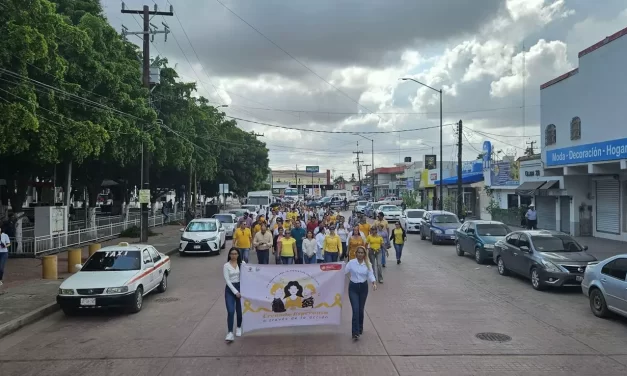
{"points": [[309, 248], [375, 248], [299, 233], [242, 239], [384, 232], [263, 242], [360, 273], [287, 249], [398, 239], [532, 218], [355, 241], [332, 246], [364, 226], [275, 245], [342, 232], [5, 242], [232, 296], [320, 236]]}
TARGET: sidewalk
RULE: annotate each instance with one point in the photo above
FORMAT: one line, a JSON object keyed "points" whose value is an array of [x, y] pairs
{"points": [[25, 297]]}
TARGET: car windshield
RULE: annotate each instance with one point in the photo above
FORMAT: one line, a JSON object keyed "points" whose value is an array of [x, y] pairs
{"points": [[415, 214], [390, 208], [249, 207], [445, 218], [377, 206], [555, 243], [223, 218], [201, 226], [239, 213], [361, 203], [492, 230], [113, 261]]}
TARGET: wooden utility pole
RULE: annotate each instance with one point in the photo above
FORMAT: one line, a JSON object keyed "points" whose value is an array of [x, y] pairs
{"points": [[530, 149], [460, 189], [147, 32], [358, 166]]}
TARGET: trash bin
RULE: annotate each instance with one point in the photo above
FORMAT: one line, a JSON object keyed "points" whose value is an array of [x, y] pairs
{"points": [[210, 210]]}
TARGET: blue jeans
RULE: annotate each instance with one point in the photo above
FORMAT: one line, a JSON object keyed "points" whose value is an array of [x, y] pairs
{"points": [[299, 251], [287, 260], [4, 256], [233, 306], [310, 260], [244, 252], [357, 294], [383, 251], [330, 257], [263, 256], [399, 250]]}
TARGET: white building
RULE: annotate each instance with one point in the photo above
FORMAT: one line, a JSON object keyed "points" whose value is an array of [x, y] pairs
{"points": [[584, 143]]}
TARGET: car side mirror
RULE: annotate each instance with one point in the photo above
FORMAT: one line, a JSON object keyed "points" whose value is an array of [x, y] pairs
{"points": [[524, 248], [150, 264], [78, 267], [585, 247], [470, 231]]}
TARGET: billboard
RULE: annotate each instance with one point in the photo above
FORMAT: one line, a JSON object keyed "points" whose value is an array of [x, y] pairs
{"points": [[312, 169]]}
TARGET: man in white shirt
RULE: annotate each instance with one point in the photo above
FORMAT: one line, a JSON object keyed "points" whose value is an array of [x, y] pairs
{"points": [[320, 245], [532, 218], [5, 242]]}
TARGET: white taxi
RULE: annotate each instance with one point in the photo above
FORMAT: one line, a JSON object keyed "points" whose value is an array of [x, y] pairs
{"points": [[116, 276]]}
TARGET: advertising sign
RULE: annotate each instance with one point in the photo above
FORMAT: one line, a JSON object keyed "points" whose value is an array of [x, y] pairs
{"points": [[431, 162], [312, 169], [144, 196], [277, 296], [504, 174], [596, 152]]}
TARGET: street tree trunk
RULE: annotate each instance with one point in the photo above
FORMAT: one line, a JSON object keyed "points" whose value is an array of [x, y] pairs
{"points": [[17, 188]]}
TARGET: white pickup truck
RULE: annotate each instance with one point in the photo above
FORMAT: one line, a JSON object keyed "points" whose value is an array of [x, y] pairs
{"points": [[393, 200]]}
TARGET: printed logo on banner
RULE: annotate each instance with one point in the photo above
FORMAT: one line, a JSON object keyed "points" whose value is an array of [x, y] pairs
{"points": [[289, 295]]}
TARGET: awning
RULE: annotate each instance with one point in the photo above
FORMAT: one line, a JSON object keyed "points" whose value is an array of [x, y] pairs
{"points": [[528, 188], [551, 184], [466, 179]]}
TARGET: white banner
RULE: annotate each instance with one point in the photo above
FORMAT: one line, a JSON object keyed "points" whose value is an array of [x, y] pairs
{"points": [[291, 295]]}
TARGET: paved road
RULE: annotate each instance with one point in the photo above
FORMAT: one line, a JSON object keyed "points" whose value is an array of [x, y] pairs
{"points": [[422, 321]]}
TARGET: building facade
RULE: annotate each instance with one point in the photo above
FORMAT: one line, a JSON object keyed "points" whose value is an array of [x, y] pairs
{"points": [[583, 141]]}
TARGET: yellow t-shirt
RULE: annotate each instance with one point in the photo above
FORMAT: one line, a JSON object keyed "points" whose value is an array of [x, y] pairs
{"points": [[332, 218], [332, 244], [383, 222], [398, 235], [242, 238], [288, 246], [364, 228], [257, 228], [375, 242]]}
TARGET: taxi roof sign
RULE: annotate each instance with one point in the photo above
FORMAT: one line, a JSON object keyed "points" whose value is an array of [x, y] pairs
{"points": [[123, 244]]}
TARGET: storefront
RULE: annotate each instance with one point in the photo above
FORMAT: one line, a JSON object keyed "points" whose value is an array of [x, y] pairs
{"points": [[472, 184], [426, 188]]}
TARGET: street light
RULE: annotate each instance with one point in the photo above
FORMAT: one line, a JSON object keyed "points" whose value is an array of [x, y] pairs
{"points": [[441, 163], [371, 167]]}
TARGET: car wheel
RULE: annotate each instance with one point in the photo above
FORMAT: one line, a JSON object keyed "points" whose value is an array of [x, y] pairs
{"points": [[164, 283], [422, 236], [138, 301], [479, 256], [69, 311], [500, 265], [535, 279], [458, 248], [598, 304], [433, 242]]}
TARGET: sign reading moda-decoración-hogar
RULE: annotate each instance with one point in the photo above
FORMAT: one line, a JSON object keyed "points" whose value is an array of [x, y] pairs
{"points": [[597, 152]]}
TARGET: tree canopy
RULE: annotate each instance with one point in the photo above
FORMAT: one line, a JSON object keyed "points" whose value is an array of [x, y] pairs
{"points": [[71, 91]]}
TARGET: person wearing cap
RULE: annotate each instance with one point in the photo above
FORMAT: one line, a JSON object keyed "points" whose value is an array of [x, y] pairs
{"points": [[532, 218], [299, 233]]}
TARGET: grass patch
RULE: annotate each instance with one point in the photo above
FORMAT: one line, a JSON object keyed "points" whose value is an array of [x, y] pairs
{"points": [[135, 232]]}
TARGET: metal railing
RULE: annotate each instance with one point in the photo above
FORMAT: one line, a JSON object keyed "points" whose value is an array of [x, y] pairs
{"points": [[54, 243]]}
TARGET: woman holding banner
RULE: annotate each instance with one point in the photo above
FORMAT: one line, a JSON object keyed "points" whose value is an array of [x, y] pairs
{"points": [[360, 273], [232, 297]]}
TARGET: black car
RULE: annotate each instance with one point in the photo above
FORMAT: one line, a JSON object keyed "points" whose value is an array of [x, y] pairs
{"points": [[547, 258]]}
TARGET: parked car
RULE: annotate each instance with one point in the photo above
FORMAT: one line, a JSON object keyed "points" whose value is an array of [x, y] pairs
{"points": [[478, 237], [604, 283], [229, 221], [239, 213], [202, 235], [547, 258], [391, 213], [115, 276], [360, 206], [412, 219], [376, 206], [353, 198], [393, 200], [439, 226]]}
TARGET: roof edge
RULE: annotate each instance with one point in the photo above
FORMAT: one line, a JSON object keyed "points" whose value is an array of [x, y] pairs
{"points": [[603, 42], [560, 78]]}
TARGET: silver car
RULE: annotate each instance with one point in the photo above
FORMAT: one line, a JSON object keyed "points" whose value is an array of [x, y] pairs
{"points": [[605, 285], [229, 221]]}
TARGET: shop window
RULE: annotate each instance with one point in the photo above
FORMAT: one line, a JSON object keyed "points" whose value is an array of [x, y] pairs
{"points": [[550, 135], [575, 128], [512, 201]]}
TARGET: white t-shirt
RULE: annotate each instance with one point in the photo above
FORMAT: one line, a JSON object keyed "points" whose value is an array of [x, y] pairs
{"points": [[4, 239]]}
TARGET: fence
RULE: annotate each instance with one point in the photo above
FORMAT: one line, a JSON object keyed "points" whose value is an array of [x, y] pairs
{"points": [[32, 247]]}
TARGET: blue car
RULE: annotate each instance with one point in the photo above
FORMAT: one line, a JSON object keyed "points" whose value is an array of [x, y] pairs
{"points": [[439, 226], [478, 237], [369, 209], [604, 283]]}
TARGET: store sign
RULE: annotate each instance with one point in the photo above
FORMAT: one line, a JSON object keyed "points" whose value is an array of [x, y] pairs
{"points": [[431, 161], [470, 167], [532, 173], [312, 169], [504, 174], [596, 152]]}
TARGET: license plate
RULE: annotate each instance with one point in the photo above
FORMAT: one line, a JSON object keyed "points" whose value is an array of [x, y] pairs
{"points": [[196, 247], [579, 278], [452, 236], [88, 301]]}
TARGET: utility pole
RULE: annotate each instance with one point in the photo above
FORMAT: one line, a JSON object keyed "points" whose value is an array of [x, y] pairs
{"points": [[530, 150], [358, 165], [147, 32], [460, 189], [296, 179], [366, 167]]}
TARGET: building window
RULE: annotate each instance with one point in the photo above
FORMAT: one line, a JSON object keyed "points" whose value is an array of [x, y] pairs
{"points": [[575, 128], [550, 135]]}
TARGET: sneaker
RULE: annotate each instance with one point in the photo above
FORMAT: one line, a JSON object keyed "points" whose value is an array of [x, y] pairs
{"points": [[380, 281], [355, 336], [398, 262], [238, 332], [383, 265], [229, 337]]}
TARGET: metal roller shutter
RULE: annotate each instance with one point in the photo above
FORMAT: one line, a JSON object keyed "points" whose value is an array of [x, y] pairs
{"points": [[545, 206], [608, 206]]}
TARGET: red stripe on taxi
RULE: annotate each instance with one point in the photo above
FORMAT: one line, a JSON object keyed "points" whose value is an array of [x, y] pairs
{"points": [[148, 271]]}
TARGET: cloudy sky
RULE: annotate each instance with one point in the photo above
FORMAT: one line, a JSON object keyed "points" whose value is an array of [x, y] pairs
{"points": [[334, 66]]}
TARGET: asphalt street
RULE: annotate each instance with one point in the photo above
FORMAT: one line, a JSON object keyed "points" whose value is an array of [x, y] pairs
{"points": [[422, 321]]}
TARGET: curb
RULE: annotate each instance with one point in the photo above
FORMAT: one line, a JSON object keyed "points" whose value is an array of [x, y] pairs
{"points": [[39, 313]]}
